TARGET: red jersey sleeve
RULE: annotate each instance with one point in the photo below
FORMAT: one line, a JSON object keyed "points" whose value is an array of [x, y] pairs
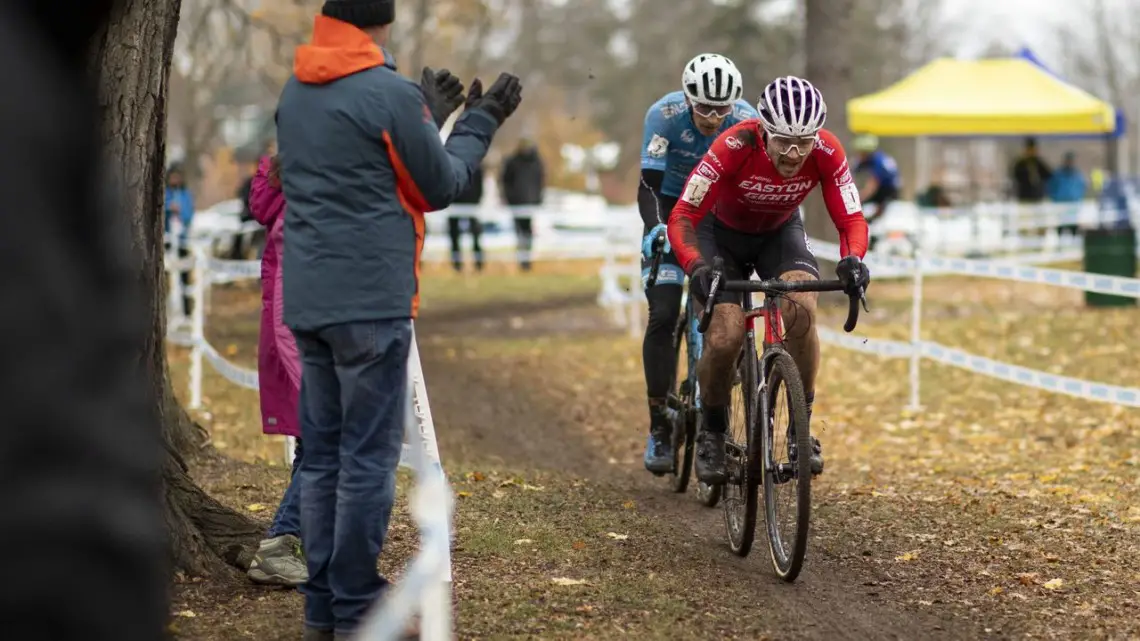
{"points": [[841, 196], [721, 162]]}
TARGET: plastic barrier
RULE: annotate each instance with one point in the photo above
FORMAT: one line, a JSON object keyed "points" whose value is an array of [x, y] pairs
{"points": [[918, 349], [426, 586]]}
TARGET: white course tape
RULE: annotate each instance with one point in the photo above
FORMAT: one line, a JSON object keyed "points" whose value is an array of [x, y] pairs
{"points": [[222, 271], [235, 374], [1128, 287], [1011, 269], [1017, 374], [1031, 377], [876, 346]]}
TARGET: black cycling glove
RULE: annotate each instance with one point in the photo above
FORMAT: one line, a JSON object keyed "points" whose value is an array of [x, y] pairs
{"points": [[700, 282], [853, 273]]}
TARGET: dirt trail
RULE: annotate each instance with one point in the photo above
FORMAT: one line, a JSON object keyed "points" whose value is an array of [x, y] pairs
{"points": [[518, 419]]}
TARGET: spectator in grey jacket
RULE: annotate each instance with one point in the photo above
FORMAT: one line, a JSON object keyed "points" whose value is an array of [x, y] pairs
{"points": [[524, 179], [361, 162]]}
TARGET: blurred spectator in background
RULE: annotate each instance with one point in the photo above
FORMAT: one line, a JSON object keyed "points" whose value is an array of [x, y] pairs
{"points": [[1030, 174], [180, 207], [243, 242], [1067, 185], [279, 560], [471, 196], [1096, 181], [878, 175], [524, 178], [934, 196]]}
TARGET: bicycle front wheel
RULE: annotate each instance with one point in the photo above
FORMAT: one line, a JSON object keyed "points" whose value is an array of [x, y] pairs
{"points": [[787, 465]]}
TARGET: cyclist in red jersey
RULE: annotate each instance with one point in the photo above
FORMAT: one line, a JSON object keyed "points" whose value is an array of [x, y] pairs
{"points": [[753, 180]]}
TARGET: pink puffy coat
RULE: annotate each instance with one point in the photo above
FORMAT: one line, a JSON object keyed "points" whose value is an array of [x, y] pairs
{"points": [[278, 363]]}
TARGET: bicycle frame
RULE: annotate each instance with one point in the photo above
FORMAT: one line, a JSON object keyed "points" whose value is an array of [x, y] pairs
{"points": [[773, 319]]}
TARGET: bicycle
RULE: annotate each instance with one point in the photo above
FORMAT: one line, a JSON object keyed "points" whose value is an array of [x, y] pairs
{"points": [[684, 397], [751, 460]]}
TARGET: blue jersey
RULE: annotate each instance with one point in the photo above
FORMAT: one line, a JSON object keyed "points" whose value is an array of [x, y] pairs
{"points": [[672, 144], [883, 168]]}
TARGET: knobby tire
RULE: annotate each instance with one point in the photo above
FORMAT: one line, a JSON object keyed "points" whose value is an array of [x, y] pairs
{"points": [[783, 374]]}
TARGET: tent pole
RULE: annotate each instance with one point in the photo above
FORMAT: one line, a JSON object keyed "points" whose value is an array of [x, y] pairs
{"points": [[922, 163]]}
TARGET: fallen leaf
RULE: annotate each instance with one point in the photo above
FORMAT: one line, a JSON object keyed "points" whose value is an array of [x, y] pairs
{"points": [[628, 505], [1027, 578], [907, 557], [231, 349], [1053, 584], [255, 507], [533, 488], [578, 545], [565, 581], [189, 614], [617, 537], [994, 591], [523, 542], [463, 494], [477, 476]]}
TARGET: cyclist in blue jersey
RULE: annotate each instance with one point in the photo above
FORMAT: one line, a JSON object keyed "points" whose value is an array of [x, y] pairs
{"points": [[679, 128], [878, 176]]}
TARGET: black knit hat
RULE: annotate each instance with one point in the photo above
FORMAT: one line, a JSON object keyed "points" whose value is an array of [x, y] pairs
{"points": [[361, 13]]}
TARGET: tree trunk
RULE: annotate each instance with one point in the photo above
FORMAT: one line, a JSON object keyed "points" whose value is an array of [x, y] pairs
{"points": [[827, 40], [132, 62]]}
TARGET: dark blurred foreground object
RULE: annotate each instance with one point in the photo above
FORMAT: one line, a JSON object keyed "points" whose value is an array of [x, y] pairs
{"points": [[80, 487]]}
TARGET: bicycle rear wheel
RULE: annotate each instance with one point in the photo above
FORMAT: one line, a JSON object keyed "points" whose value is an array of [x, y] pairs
{"points": [[786, 423], [739, 493], [682, 401]]}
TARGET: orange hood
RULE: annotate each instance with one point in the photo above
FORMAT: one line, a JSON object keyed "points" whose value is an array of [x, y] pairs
{"points": [[338, 49]]}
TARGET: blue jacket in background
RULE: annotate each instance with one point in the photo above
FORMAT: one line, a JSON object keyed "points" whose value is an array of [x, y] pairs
{"points": [[1067, 185], [185, 201], [361, 162]]}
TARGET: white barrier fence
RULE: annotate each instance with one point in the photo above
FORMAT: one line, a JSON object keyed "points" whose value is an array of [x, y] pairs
{"points": [[426, 585], [883, 267], [571, 226]]}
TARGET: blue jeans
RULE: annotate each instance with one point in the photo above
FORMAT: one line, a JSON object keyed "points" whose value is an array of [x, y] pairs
{"points": [[352, 404], [287, 520]]}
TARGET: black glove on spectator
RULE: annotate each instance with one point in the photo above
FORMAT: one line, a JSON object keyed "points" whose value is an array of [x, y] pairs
{"points": [[443, 92], [853, 273], [501, 99]]}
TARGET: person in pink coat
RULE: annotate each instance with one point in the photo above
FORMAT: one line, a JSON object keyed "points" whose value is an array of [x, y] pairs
{"points": [[278, 560]]}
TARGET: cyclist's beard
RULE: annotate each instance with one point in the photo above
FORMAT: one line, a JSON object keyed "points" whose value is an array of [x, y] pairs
{"points": [[787, 167]]}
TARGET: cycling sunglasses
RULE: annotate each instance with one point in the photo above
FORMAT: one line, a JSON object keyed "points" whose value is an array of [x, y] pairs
{"points": [[785, 144], [711, 111]]}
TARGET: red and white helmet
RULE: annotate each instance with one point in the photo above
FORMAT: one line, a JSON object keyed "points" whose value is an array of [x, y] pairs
{"points": [[792, 107]]}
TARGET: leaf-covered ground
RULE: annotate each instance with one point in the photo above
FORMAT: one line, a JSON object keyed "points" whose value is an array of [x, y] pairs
{"points": [[997, 511]]}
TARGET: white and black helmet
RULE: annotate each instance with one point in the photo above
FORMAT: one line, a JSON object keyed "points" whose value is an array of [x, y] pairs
{"points": [[793, 107], [712, 79]]}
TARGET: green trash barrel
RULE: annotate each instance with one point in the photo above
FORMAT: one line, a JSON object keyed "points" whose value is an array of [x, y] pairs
{"points": [[1111, 252]]}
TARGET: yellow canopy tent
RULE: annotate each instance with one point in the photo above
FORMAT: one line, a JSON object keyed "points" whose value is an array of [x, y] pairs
{"points": [[1000, 97]]}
